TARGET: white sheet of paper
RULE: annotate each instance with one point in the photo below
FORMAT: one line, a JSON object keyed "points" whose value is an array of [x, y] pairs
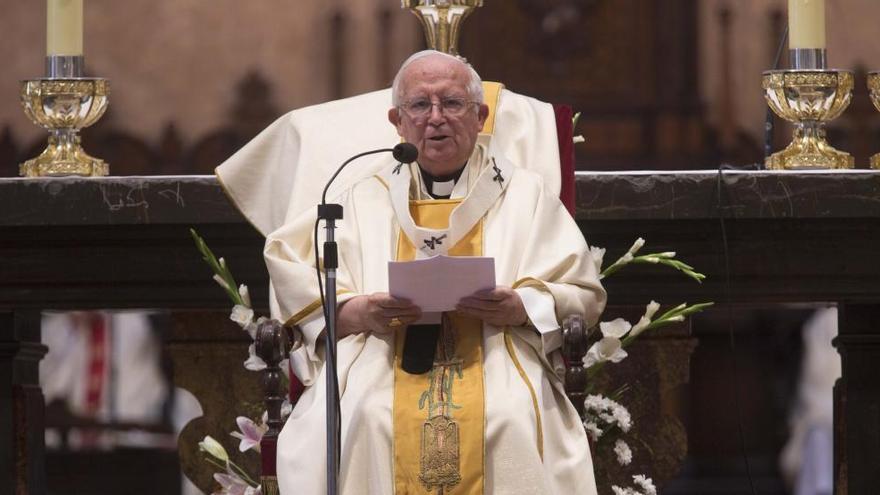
{"points": [[437, 283]]}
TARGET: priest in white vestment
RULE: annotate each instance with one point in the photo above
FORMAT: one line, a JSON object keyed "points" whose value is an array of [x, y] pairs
{"points": [[489, 414]]}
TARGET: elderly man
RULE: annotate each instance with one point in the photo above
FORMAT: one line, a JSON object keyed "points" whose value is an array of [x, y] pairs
{"points": [[488, 414]]}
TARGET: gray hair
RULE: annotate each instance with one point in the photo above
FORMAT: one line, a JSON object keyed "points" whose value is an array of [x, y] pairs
{"points": [[474, 86]]}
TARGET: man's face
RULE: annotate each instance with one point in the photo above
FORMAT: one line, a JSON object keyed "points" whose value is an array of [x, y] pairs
{"points": [[445, 141]]}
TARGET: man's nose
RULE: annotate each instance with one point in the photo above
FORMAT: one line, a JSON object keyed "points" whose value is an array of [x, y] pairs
{"points": [[436, 116]]}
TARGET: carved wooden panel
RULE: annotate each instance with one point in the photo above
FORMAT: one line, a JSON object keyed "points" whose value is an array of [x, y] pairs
{"points": [[628, 65]]}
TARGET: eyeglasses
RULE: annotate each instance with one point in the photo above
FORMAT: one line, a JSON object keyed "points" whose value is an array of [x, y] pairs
{"points": [[452, 106]]}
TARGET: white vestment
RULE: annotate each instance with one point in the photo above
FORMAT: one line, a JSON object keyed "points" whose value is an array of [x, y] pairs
{"points": [[281, 172], [537, 248]]}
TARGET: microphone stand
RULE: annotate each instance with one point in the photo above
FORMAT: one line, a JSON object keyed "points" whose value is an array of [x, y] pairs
{"points": [[330, 212]]}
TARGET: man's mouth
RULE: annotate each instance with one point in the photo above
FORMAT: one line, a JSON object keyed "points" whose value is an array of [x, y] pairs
{"points": [[438, 138]]}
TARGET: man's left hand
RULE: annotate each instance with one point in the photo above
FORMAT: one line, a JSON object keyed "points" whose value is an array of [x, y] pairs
{"points": [[499, 307]]}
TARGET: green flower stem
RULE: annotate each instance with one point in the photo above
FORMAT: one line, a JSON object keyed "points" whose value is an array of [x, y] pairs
{"points": [[218, 269], [241, 472], [213, 461], [674, 315], [666, 258]]}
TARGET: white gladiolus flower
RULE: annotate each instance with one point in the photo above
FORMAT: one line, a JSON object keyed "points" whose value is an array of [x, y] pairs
{"points": [[222, 263], [219, 280], [245, 295], [606, 349], [598, 255], [623, 452], [651, 309], [254, 362], [615, 328], [636, 246], [242, 315], [645, 320]]}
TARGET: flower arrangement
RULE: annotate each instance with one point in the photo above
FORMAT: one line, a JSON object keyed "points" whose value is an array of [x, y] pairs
{"points": [[605, 418], [234, 480]]}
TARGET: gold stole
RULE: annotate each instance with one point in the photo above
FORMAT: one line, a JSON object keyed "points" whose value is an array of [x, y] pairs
{"points": [[439, 416]]}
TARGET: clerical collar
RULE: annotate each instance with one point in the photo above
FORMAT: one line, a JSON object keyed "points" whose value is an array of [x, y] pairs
{"points": [[440, 186]]}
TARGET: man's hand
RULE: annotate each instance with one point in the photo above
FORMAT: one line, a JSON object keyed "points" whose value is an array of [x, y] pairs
{"points": [[378, 312], [499, 307]]}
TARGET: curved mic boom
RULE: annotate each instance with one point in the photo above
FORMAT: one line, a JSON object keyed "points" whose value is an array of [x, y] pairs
{"points": [[403, 152]]}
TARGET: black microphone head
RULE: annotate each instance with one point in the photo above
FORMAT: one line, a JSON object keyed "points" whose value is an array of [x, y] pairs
{"points": [[405, 153]]}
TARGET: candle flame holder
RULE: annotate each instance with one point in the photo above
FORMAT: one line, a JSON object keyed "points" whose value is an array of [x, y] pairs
{"points": [[874, 90], [809, 99], [63, 106], [442, 20]]}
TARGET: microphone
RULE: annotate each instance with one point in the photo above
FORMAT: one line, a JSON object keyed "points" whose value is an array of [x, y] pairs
{"points": [[405, 153]]}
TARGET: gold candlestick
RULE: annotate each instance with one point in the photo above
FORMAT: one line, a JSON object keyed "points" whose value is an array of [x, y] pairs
{"points": [[442, 20], [809, 99], [874, 89], [63, 106]]}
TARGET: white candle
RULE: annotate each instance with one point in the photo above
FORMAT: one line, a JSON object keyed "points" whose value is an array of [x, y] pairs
{"points": [[806, 24], [64, 27]]}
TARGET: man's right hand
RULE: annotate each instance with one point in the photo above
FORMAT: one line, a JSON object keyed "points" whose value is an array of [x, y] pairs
{"points": [[378, 312]]}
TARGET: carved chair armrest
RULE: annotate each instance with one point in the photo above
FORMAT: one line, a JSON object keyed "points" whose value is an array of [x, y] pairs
{"points": [[575, 335], [272, 346]]}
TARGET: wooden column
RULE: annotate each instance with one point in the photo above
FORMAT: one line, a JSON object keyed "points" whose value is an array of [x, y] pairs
{"points": [[22, 460], [857, 401]]}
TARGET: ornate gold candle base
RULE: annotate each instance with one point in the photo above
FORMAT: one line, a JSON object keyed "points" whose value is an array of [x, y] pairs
{"points": [[809, 99], [63, 107], [442, 20], [874, 90]]}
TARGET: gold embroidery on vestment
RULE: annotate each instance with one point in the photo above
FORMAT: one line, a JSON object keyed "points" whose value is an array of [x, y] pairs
{"points": [[440, 460]]}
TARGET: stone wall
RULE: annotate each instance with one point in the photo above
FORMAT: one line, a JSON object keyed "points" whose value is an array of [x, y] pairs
{"points": [[180, 61]]}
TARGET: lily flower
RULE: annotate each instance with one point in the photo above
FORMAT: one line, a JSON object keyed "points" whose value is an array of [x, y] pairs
{"points": [[214, 449], [250, 434], [232, 484]]}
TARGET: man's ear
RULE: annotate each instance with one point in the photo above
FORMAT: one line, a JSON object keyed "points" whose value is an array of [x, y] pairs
{"points": [[394, 118], [483, 114]]}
